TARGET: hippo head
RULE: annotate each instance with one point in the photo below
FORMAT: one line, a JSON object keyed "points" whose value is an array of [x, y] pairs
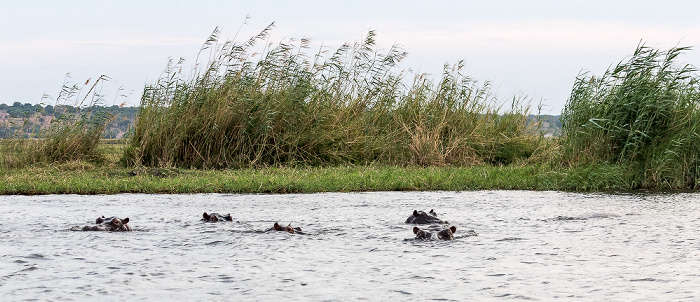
{"points": [[444, 234], [119, 225], [214, 217], [420, 217], [210, 218], [288, 228], [447, 234], [112, 224], [421, 234]]}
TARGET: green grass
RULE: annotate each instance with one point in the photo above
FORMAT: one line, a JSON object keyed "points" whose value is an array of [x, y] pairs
{"points": [[284, 120], [86, 179], [108, 177], [288, 107], [71, 136], [643, 115]]}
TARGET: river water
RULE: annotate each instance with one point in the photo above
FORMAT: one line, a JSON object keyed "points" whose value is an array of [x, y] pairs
{"points": [[530, 246]]}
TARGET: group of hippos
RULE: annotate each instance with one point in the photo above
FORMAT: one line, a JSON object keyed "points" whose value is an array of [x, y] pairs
{"points": [[435, 231]]}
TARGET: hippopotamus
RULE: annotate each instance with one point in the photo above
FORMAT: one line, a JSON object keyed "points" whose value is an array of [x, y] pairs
{"points": [[420, 217], [288, 228], [439, 234], [111, 224], [214, 217]]}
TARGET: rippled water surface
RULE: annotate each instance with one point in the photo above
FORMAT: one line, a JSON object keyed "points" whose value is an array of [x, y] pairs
{"points": [[530, 246]]}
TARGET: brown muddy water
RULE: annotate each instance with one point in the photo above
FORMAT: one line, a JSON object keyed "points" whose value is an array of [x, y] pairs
{"points": [[530, 246]]}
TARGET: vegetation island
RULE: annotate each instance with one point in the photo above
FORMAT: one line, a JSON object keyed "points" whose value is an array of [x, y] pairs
{"points": [[288, 120]]}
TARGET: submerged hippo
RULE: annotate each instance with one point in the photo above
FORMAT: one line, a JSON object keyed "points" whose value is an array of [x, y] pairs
{"points": [[288, 228], [111, 224], [420, 217], [214, 217], [443, 234]]}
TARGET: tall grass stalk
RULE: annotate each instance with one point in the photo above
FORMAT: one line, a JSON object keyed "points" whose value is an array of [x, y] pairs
{"points": [[642, 114], [71, 135], [287, 106]]}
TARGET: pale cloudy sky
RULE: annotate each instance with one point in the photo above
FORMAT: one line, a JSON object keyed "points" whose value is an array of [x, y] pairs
{"points": [[534, 48]]}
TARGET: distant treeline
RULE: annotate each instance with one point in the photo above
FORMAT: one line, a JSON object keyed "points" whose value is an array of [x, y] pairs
{"points": [[26, 120]]}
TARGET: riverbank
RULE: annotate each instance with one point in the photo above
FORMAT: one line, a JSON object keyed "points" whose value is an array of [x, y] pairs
{"points": [[82, 178], [325, 128]]}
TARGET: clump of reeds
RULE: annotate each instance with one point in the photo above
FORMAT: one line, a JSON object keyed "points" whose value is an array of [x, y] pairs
{"points": [[283, 106], [642, 114], [73, 135]]}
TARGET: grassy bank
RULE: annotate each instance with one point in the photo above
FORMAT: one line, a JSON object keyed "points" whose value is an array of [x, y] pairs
{"points": [[286, 120], [109, 176], [80, 178]]}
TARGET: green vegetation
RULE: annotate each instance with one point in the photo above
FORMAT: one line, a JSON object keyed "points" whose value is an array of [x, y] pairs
{"points": [[26, 120], [85, 178], [286, 121], [291, 108], [642, 115], [73, 136]]}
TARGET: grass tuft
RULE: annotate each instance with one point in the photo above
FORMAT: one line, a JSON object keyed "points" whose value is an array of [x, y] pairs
{"points": [[641, 115], [285, 106], [73, 135]]}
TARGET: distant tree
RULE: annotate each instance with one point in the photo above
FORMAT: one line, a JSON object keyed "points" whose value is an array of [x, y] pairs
{"points": [[17, 111], [123, 118], [29, 108]]}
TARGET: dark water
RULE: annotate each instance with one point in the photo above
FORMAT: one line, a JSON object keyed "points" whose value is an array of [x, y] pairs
{"points": [[531, 246]]}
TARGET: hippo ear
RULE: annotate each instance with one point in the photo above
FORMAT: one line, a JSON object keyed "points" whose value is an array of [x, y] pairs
{"points": [[415, 230], [453, 229], [415, 213], [228, 217], [125, 221]]}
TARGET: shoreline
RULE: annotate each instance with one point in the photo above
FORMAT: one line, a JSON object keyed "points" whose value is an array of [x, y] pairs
{"points": [[89, 180]]}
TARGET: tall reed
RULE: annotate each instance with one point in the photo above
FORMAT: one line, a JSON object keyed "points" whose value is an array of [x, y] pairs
{"points": [[642, 114], [284, 106], [72, 135]]}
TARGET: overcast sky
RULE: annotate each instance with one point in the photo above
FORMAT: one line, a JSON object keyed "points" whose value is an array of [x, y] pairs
{"points": [[533, 48]]}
